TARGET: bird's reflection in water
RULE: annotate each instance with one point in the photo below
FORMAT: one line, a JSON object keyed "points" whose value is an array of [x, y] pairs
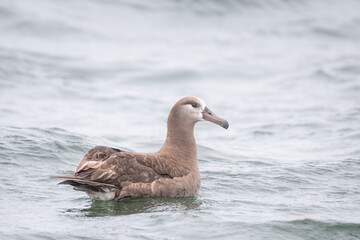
{"points": [[139, 205]]}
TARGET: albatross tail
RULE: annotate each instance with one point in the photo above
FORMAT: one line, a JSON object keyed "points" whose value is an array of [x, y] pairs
{"points": [[97, 190]]}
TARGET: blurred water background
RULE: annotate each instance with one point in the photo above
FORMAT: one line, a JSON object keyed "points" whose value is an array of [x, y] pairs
{"points": [[285, 74]]}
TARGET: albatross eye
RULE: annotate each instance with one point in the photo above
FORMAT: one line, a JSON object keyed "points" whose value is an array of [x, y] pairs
{"points": [[194, 105]]}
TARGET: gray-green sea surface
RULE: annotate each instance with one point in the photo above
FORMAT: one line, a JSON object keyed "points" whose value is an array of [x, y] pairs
{"points": [[285, 74]]}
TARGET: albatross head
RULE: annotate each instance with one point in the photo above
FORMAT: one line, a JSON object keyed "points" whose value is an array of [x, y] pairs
{"points": [[194, 109]]}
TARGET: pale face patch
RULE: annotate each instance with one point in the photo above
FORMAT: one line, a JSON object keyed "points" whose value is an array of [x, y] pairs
{"points": [[194, 113], [202, 104]]}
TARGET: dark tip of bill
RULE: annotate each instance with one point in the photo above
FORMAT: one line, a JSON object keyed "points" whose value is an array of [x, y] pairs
{"points": [[225, 125]]}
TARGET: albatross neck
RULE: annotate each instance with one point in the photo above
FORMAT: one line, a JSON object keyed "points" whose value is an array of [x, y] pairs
{"points": [[180, 141]]}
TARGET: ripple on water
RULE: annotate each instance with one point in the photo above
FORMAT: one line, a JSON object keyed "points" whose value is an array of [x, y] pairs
{"points": [[284, 73], [314, 229], [137, 206]]}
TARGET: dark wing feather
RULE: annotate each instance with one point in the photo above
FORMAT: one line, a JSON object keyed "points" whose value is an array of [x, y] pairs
{"points": [[115, 167], [105, 169]]}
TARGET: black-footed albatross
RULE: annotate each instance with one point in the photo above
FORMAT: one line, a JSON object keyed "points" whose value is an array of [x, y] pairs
{"points": [[107, 173]]}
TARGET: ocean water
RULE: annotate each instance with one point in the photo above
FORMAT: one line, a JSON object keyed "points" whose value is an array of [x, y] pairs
{"points": [[285, 74]]}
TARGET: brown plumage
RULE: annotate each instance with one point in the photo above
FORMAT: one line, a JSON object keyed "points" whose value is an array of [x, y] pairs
{"points": [[108, 173]]}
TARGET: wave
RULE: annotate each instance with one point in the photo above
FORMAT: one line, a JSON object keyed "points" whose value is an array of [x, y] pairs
{"points": [[316, 229]]}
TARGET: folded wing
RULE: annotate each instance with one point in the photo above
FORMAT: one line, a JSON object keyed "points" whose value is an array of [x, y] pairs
{"points": [[105, 169]]}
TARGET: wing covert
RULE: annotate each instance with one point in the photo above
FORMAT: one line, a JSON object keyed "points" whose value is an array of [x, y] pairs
{"points": [[114, 166]]}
